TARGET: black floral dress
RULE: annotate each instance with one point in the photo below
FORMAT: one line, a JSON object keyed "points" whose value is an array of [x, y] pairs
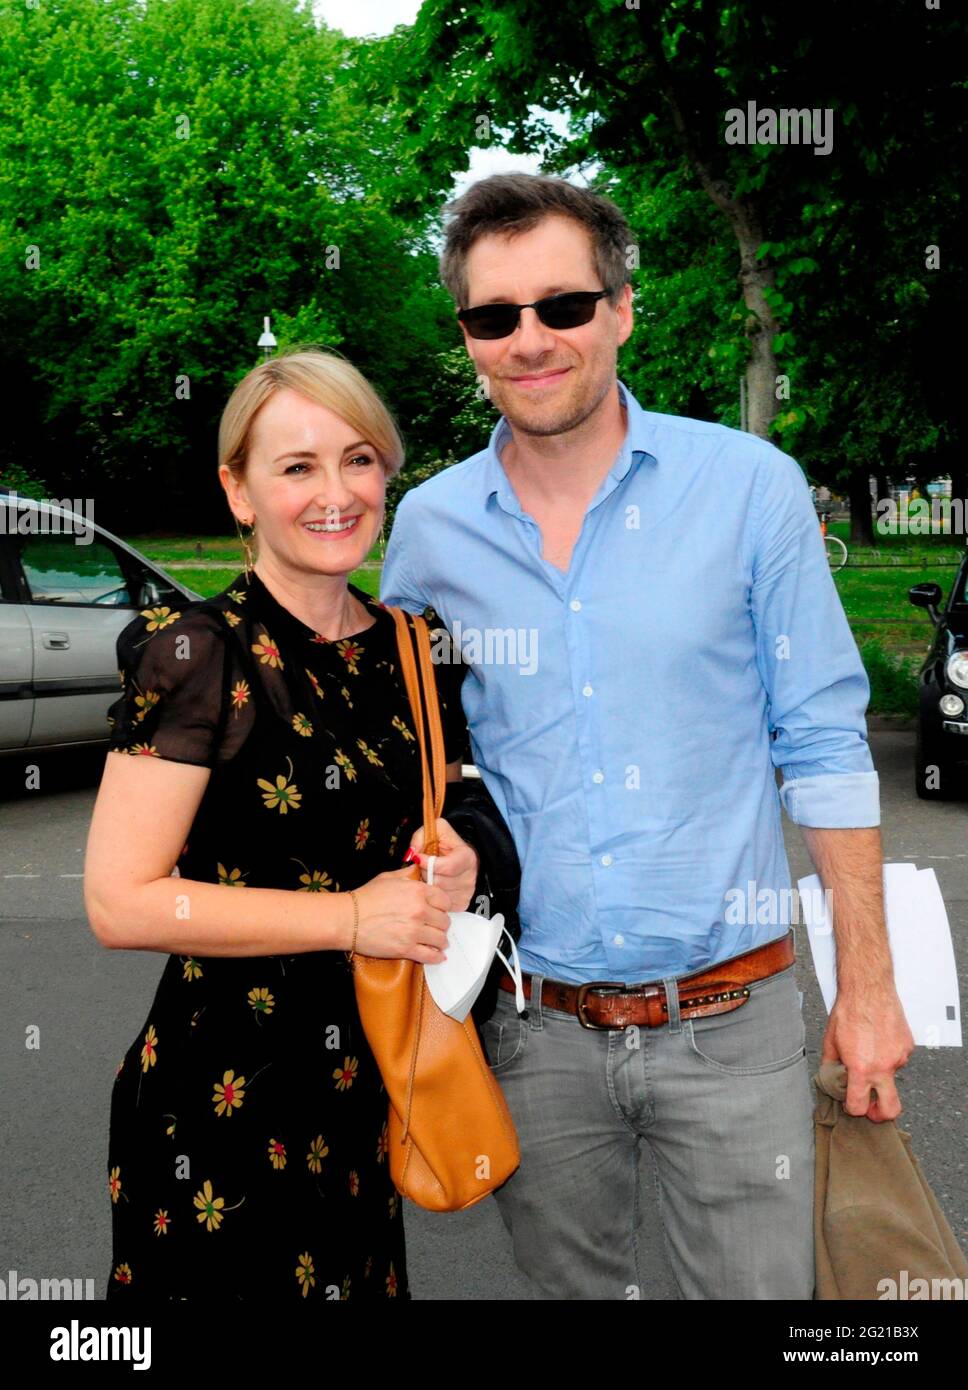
{"points": [[248, 1142]]}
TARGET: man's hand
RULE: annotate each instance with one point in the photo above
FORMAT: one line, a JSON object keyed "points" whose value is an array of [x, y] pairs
{"points": [[869, 1033], [456, 868], [867, 1030]]}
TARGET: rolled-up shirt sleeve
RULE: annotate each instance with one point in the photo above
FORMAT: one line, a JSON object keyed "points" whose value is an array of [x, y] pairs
{"points": [[815, 681]]}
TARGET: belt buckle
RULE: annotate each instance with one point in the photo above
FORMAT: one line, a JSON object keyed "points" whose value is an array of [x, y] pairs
{"points": [[613, 985]]}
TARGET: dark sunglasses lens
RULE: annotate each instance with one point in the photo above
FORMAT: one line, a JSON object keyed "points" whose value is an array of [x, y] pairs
{"points": [[568, 310], [491, 320]]}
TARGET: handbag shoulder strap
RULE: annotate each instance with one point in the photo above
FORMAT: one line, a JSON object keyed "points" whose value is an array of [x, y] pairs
{"points": [[431, 741]]}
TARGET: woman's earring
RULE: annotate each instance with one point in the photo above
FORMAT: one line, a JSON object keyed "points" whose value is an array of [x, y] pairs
{"points": [[246, 542], [383, 542]]}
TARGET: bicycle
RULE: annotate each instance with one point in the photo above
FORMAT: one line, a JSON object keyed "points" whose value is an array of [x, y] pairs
{"points": [[834, 546]]}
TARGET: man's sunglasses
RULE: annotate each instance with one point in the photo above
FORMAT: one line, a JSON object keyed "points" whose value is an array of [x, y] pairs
{"points": [[558, 311]]}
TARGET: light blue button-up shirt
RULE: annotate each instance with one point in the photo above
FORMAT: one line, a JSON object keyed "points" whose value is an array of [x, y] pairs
{"points": [[628, 716]]}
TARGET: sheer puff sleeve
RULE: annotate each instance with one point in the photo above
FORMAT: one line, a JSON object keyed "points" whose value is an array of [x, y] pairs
{"points": [[450, 671], [175, 671]]}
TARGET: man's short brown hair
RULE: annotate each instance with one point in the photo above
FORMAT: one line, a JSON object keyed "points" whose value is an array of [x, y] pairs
{"points": [[506, 204]]}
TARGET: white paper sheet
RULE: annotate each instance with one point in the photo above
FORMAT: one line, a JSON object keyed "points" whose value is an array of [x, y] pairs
{"points": [[920, 938]]}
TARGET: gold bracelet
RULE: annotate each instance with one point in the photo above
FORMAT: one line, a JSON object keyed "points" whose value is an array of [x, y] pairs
{"points": [[356, 925]]}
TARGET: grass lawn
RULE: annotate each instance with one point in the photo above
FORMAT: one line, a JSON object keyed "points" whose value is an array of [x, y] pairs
{"points": [[892, 635]]}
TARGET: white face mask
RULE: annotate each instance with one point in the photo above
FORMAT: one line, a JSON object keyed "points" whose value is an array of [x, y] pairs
{"points": [[472, 943]]}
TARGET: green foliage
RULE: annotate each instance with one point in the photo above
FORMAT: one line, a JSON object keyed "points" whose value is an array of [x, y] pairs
{"points": [[893, 681], [183, 169]]}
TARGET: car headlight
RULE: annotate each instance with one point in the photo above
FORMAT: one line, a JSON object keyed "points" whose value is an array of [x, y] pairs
{"points": [[951, 705], [957, 669]]}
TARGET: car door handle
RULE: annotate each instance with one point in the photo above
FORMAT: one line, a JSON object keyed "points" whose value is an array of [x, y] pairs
{"points": [[56, 641]]}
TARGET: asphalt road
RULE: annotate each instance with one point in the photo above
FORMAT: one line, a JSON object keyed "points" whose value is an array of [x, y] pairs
{"points": [[88, 1002]]}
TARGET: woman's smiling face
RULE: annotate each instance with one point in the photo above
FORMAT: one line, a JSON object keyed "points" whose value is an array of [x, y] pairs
{"points": [[316, 489]]}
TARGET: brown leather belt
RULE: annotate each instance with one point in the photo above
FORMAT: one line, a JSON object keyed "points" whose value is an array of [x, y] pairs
{"points": [[716, 990]]}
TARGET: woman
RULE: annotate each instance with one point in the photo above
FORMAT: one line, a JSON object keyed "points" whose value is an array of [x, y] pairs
{"points": [[254, 829]]}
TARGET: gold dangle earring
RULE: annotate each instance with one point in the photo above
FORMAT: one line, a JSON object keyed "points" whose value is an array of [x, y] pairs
{"points": [[246, 542]]}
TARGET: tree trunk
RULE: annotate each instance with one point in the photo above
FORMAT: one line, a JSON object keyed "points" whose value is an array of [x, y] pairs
{"points": [[754, 276], [861, 522]]}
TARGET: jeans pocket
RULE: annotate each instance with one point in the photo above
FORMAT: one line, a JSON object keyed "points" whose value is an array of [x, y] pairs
{"points": [[765, 1034], [503, 1039]]}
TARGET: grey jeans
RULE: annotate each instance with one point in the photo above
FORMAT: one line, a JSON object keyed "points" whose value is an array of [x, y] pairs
{"points": [[724, 1103]]}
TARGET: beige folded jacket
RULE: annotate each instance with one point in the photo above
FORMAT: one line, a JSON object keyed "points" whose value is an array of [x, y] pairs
{"points": [[879, 1230]]}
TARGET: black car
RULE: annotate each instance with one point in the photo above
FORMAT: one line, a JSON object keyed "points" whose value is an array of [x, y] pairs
{"points": [[941, 759]]}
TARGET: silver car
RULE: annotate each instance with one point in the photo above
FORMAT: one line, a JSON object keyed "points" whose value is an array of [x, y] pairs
{"points": [[67, 588]]}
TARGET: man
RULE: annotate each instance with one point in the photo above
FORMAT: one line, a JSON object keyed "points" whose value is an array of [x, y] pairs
{"points": [[651, 629]]}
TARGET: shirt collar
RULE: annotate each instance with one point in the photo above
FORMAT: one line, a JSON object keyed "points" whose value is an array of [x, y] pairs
{"points": [[638, 437]]}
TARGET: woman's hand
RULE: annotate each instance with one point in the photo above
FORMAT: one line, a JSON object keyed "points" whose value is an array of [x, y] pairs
{"points": [[402, 918], [456, 867]]}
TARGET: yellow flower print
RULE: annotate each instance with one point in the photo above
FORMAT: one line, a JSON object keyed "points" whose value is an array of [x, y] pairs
{"points": [[382, 1144], [346, 695], [147, 701], [318, 1150], [232, 619], [170, 1131], [393, 1203], [345, 1291], [305, 1273], [229, 1094], [277, 1153], [149, 1053], [284, 794], [302, 725], [267, 651], [362, 833], [114, 1184], [345, 1075], [317, 882], [261, 1000], [158, 618], [344, 762], [144, 750], [354, 1181], [314, 683], [231, 880], [236, 596], [162, 1222], [123, 1274], [369, 754], [210, 1208], [398, 723], [349, 651], [240, 695], [191, 970], [391, 1282]]}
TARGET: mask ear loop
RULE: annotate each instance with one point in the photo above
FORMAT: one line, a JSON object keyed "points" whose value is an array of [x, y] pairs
{"points": [[515, 971]]}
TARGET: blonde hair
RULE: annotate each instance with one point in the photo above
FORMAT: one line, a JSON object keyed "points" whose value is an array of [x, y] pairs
{"points": [[323, 377]]}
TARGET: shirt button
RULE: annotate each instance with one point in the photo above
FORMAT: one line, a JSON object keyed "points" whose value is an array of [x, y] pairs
{"points": [[575, 605], [598, 777], [618, 940], [606, 859], [587, 690]]}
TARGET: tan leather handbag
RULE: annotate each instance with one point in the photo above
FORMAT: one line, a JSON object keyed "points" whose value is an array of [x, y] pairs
{"points": [[451, 1137]]}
